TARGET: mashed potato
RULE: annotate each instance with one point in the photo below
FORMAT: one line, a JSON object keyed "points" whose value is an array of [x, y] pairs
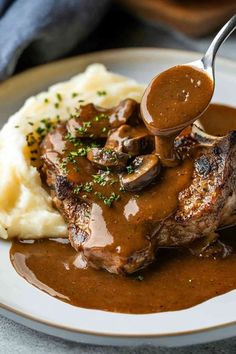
{"points": [[26, 209]]}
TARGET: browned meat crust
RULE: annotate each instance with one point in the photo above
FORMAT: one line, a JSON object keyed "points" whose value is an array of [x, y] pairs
{"points": [[203, 207]]}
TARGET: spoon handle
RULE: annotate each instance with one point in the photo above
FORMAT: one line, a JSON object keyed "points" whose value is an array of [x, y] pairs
{"points": [[222, 35]]}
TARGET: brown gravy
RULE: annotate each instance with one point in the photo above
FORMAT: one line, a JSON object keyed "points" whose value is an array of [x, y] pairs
{"points": [[178, 280], [173, 100], [131, 211], [176, 97]]}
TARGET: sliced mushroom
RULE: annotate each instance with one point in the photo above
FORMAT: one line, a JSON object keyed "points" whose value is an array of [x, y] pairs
{"points": [[95, 122], [131, 140], [143, 171], [108, 158]]}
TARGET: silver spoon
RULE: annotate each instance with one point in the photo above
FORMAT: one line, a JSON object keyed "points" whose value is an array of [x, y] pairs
{"points": [[166, 134], [207, 62]]}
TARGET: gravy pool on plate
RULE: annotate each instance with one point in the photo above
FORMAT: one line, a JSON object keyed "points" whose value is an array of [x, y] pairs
{"points": [[178, 279]]}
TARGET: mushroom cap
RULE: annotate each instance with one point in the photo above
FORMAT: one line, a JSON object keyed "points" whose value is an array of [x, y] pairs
{"points": [[131, 140], [107, 158], [145, 169]]}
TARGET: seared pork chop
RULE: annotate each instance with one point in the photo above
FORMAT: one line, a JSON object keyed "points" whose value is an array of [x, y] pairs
{"points": [[121, 230]]}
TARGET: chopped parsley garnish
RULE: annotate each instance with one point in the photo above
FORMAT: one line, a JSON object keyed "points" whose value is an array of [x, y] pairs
{"points": [[46, 100], [30, 139], [74, 94], [84, 128], [59, 96], [56, 105], [30, 123], [82, 151], [63, 166], [87, 187], [78, 189], [17, 126], [100, 179], [100, 116], [139, 277], [72, 139], [108, 200], [101, 93], [103, 179], [46, 125], [130, 169]]}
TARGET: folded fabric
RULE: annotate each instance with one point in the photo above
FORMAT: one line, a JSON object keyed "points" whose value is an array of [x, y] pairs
{"points": [[48, 29]]}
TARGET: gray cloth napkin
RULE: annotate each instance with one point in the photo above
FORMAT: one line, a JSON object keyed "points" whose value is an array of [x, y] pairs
{"points": [[50, 28]]}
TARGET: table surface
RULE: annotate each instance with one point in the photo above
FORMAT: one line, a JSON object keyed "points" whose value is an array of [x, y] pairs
{"points": [[118, 30]]}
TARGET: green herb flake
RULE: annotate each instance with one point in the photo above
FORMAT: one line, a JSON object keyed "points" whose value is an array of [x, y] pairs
{"points": [[74, 94], [82, 151], [78, 189], [46, 100], [113, 197], [17, 126], [99, 117], [87, 187], [130, 169], [31, 123], [30, 139], [56, 105], [59, 96], [87, 124], [84, 128], [101, 93], [108, 201], [100, 179], [63, 166], [72, 139], [113, 181]]}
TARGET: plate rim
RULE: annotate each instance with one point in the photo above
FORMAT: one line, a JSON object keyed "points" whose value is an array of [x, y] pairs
{"points": [[111, 52], [116, 335], [67, 61]]}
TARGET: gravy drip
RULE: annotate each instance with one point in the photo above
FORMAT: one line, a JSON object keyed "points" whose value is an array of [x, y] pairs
{"points": [[172, 101], [177, 281]]}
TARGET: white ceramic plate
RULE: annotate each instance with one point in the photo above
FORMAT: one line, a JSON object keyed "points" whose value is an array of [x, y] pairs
{"points": [[212, 320]]}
